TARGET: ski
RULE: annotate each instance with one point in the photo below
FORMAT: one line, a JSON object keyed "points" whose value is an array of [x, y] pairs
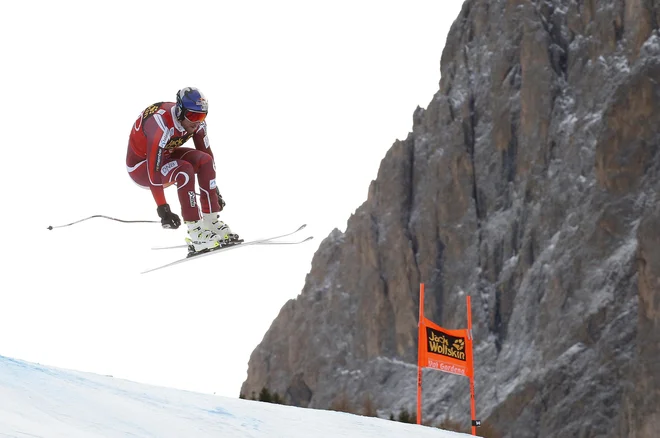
{"points": [[297, 242], [265, 241], [260, 240]]}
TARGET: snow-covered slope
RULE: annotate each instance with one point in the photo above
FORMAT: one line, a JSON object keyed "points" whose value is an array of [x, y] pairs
{"points": [[41, 401]]}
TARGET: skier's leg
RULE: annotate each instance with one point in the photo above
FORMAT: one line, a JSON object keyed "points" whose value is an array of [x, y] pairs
{"points": [[138, 173], [202, 164], [137, 169], [182, 174]]}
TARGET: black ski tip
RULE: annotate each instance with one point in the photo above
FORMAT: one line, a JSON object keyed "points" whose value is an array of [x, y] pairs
{"points": [[301, 227]]}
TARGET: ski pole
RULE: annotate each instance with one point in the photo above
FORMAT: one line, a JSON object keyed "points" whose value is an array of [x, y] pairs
{"points": [[50, 227]]}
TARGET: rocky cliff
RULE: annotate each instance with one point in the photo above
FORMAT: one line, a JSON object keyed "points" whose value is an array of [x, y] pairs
{"points": [[530, 183]]}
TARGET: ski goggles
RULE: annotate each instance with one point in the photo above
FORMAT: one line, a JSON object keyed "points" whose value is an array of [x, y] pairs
{"points": [[194, 116]]}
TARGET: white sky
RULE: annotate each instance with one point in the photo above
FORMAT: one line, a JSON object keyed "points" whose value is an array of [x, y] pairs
{"points": [[54, 403], [305, 99]]}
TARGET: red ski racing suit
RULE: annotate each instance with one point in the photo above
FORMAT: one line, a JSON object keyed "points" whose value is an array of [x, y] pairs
{"points": [[155, 160]]}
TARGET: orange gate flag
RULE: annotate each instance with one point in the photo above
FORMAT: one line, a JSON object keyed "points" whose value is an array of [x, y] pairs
{"points": [[445, 350]]}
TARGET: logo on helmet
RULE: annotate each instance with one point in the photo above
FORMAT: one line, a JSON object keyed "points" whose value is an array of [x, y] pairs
{"points": [[202, 103]]}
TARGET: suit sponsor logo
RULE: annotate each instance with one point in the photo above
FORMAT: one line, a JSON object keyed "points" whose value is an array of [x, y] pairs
{"points": [[175, 142], [165, 139], [169, 166], [193, 198], [212, 185], [159, 159], [151, 110]]}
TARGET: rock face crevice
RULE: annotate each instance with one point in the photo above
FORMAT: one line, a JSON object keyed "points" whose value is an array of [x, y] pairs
{"points": [[530, 182]]}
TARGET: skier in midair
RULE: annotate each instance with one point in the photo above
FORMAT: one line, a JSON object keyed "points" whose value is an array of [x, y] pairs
{"points": [[156, 160]]}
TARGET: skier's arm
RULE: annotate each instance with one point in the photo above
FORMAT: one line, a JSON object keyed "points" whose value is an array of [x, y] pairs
{"points": [[156, 139], [201, 140]]}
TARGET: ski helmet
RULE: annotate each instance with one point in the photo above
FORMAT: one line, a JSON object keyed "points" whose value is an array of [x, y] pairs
{"points": [[191, 104]]}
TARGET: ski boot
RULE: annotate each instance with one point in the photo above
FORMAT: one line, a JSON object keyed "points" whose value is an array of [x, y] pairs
{"points": [[213, 223], [201, 240]]}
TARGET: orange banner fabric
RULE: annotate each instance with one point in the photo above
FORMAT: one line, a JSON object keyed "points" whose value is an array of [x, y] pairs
{"points": [[445, 350]]}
